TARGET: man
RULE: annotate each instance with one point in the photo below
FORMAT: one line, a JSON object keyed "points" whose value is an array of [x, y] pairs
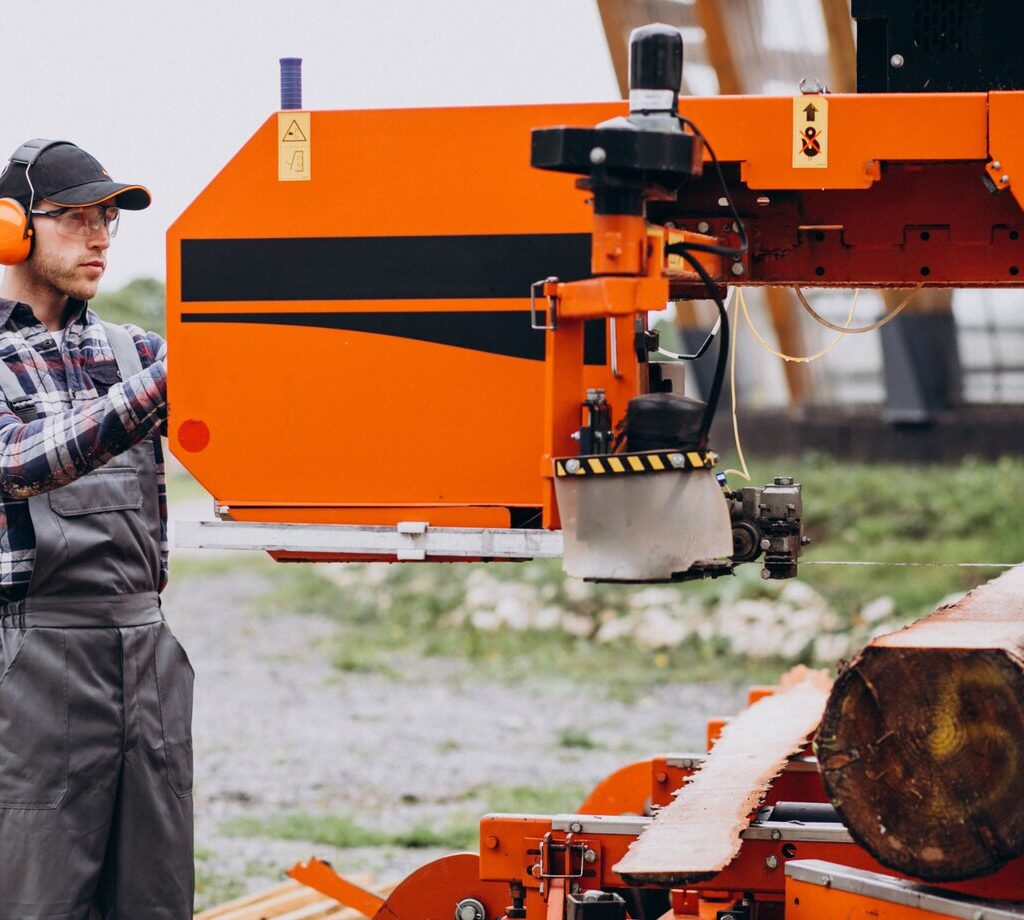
{"points": [[95, 693]]}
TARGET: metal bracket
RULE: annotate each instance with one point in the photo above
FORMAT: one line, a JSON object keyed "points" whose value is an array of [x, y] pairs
{"points": [[415, 532], [552, 309]]}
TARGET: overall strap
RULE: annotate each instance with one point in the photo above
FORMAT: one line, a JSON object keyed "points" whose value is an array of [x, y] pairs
{"points": [[14, 394], [127, 355]]}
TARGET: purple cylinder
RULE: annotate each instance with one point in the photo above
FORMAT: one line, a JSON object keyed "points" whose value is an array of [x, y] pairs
{"points": [[291, 83]]}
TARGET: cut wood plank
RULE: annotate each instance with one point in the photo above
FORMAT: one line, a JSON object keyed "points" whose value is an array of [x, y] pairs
{"points": [[247, 900], [698, 834], [290, 900], [922, 743]]}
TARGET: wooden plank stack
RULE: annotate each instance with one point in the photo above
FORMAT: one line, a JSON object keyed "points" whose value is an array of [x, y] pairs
{"points": [[290, 900]]}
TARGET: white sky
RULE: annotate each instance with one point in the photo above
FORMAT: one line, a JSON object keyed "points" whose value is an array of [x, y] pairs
{"points": [[163, 92]]}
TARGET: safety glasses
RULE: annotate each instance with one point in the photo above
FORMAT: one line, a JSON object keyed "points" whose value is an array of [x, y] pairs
{"points": [[83, 222]]}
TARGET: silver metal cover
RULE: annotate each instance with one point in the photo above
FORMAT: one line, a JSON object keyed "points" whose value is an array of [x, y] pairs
{"points": [[898, 891]]}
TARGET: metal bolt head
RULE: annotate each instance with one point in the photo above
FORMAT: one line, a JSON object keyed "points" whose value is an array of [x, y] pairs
{"points": [[536, 870], [776, 834], [677, 460], [723, 202], [572, 466], [897, 60], [772, 861], [491, 842], [598, 156], [575, 827], [703, 227], [1004, 179], [766, 544], [737, 268], [996, 164], [765, 574], [589, 856]]}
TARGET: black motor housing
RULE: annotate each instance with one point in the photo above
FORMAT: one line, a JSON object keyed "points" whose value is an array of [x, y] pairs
{"points": [[664, 421]]}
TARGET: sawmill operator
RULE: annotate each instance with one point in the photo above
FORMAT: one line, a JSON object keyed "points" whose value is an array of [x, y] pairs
{"points": [[95, 692]]}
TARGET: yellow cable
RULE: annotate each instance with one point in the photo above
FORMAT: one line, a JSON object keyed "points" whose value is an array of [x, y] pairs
{"points": [[807, 358], [744, 473], [741, 303], [891, 315]]}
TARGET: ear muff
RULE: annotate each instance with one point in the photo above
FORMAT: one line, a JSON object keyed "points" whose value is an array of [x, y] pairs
{"points": [[15, 234], [15, 223]]}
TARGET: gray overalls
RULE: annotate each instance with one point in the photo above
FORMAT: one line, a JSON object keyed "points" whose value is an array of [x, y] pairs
{"points": [[95, 705]]}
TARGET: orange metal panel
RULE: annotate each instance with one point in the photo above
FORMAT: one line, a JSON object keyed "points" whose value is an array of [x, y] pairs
{"points": [[626, 791], [865, 129], [341, 417], [1006, 143]]}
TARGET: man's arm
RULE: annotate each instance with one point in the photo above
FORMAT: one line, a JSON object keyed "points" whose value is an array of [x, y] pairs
{"points": [[50, 452]]}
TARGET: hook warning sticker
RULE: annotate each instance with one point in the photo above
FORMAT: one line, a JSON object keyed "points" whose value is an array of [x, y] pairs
{"points": [[293, 146], [810, 131]]}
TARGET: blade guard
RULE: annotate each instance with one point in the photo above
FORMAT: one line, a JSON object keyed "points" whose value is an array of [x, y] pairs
{"points": [[642, 517]]}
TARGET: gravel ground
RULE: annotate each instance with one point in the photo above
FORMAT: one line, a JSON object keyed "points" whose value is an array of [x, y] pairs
{"points": [[278, 729]]}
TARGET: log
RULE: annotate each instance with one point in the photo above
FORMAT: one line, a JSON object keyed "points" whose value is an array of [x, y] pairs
{"points": [[698, 834], [921, 746]]}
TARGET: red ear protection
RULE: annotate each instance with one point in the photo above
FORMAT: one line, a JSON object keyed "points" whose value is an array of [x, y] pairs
{"points": [[15, 221], [15, 233]]}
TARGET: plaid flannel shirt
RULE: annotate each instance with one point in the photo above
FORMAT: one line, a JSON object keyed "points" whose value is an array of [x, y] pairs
{"points": [[87, 416]]}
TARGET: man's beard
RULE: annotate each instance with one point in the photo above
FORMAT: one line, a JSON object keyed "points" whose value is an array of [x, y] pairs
{"points": [[62, 276]]}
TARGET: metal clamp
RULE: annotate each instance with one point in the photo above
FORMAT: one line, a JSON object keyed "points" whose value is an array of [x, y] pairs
{"points": [[552, 313], [413, 537], [546, 847]]}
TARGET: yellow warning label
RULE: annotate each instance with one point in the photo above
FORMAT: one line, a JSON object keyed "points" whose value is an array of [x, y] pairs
{"points": [[293, 146], [810, 132]]}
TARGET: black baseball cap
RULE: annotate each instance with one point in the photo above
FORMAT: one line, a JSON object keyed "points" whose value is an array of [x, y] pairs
{"points": [[66, 175]]}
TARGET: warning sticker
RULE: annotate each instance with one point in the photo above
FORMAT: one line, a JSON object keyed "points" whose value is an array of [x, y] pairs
{"points": [[293, 146], [810, 132]]}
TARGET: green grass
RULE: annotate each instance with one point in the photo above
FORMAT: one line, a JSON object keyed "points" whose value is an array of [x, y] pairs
{"points": [[576, 738], [211, 888], [531, 800], [460, 831], [342, 831], [905, 513]]}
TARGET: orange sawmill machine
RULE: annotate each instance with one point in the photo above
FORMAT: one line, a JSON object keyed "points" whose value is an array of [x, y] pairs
{"points": [[444, 314]]}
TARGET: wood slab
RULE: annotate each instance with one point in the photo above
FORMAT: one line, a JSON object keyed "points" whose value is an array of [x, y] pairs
{"points": [[698, 834]]}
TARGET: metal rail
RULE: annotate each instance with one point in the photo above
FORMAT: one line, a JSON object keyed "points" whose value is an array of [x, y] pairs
{"points": [[408, 541]]}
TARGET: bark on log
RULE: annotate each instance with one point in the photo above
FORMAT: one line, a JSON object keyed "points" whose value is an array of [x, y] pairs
{"points": [[922, 744]]}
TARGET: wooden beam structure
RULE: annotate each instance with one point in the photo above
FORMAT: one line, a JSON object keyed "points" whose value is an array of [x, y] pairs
{"points": [[842, 49]]}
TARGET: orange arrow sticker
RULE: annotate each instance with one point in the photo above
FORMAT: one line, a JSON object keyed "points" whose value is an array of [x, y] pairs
{"points": [[810, 132]]}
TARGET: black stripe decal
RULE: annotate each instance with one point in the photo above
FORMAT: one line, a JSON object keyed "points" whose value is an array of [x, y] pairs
{"points": [[497, 332], [379, 268]]}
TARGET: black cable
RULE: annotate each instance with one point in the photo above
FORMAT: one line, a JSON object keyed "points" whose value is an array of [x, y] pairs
{"points": [[723, 348], [740, 226]]}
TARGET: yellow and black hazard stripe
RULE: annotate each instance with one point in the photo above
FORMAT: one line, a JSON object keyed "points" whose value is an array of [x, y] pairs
{"points": [[659, 461]]}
